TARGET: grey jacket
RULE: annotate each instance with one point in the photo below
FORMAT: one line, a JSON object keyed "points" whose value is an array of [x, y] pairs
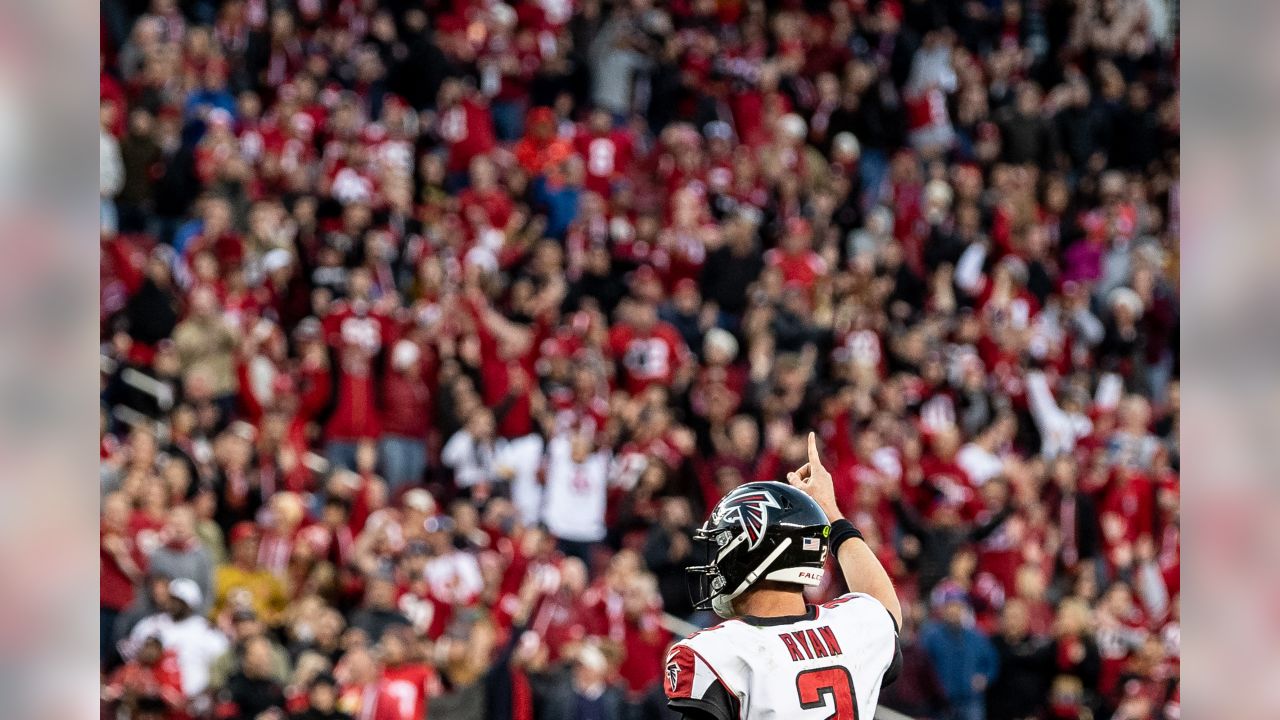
{"points": [[193, 564]]}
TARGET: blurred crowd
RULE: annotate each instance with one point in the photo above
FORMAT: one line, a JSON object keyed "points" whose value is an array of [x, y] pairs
{"points": [[430, 330]]}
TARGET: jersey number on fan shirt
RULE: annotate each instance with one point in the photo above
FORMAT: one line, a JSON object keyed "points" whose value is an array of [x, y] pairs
{"points": [[814, 685], [406, 696]]}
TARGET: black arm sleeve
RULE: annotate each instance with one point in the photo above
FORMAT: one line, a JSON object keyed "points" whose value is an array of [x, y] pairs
{"points": [[895, 665], [990, 526], [716, 704], [911, 521]]}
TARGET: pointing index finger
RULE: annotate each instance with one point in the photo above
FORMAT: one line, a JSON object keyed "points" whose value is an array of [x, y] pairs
{"points": [[813, 449]]}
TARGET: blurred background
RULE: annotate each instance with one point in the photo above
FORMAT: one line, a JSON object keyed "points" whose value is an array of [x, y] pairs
{"points": [[50, 643], [427, 332]]}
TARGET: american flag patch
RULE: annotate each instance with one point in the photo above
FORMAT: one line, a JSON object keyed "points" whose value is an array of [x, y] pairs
{"points": [[811, 543]]}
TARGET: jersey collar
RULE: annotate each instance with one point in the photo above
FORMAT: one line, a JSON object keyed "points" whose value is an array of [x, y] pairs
{"points": [[810, 613]]}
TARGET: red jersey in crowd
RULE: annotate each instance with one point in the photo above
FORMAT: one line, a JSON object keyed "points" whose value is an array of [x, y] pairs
{"points": [[162, 680], [500, 378], [1117, 638], [606, 158], [647, 358], [559, 621], [115, 586], [371, 701], [428, 614], [950, 480], [359, 334], [645, 642], [801, 268], [407, 393], [146, 531], [1130, 506], [492, 202], [410, 684], [467, 127]]}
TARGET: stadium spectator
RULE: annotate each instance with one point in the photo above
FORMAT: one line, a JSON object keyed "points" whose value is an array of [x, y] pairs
{"points": [[252, 690], [1022, 685], [193, 641], [321, 701], [577, 478], [150, 683], [964, 657], [242, 583], [183, 556], [122, 569]]}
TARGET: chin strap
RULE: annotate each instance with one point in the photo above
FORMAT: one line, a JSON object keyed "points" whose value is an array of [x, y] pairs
{"points": [[755, 574]]}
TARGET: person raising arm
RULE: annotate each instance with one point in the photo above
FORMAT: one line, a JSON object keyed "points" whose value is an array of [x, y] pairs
{"points": [[862, 571]]}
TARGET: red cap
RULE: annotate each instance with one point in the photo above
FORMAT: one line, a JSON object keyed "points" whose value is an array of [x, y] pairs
{"points": [[451, 23], [243, 530], [541, 115]]}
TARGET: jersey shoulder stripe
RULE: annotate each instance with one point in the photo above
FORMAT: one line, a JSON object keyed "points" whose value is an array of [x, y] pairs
{"points": [[693, 683]]}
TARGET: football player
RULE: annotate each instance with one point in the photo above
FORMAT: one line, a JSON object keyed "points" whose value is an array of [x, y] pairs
{"points": [[776, 656]]}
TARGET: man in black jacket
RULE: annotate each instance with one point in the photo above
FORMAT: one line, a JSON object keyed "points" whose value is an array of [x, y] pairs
{"points": [[379, 610], [731, 268], [1026, 667], [942, 536], [667, 552], [1076, 513], [322, 700], [253, 690], [579, 690]]}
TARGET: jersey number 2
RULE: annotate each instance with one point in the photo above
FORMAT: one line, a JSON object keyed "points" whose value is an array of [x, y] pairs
{"points": [[814, 685]]}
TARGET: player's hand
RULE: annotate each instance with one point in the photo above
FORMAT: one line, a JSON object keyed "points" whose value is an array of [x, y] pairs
{"points": [[815, 481]]}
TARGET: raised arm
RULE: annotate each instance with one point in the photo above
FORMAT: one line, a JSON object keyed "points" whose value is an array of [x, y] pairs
{"points": [[862, 570]]}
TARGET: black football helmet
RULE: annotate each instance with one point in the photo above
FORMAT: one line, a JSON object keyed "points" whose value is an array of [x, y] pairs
{"points": [[759, 531]]}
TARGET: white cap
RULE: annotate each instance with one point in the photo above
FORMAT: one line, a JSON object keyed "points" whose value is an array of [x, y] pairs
{"points": [[404, 354], [723, 339], [276, 259], [846, 143], [1123, 296], [503, 14], [186, 590], [793, 125], [420, 500], [938, 192], [591, 657]]}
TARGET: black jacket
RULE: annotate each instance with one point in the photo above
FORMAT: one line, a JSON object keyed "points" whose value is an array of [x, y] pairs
{"points": [[1026, 669], [726, 277], [939, 544], [253, 696], [554, 697], [317, 715]]}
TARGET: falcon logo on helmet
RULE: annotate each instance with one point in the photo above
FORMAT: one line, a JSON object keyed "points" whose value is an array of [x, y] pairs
{"points": [[757, 532], [751, 511]]}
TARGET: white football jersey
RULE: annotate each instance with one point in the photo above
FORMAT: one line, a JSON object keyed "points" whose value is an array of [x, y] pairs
{"points": [[576, 494], [828, 664]]}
